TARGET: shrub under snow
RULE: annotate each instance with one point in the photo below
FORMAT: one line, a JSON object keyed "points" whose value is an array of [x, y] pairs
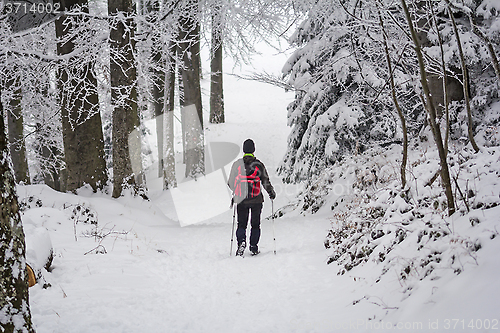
{"points": [[406, 232]]}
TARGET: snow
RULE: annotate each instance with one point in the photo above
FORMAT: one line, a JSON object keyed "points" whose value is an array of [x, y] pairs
{"points": [[164, 265], [38, 244]]}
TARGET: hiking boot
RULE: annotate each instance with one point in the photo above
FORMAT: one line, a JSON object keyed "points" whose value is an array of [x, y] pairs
{"points": [[254, 249], [241, 248]]}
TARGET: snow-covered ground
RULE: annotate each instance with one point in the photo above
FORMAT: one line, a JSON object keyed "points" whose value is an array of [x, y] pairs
{"points": [[138, 270]]}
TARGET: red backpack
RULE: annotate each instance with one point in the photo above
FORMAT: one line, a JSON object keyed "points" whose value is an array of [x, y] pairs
{"points": [[246, 186]]}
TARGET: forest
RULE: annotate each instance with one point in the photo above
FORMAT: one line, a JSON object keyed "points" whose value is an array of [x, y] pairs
{"points": [[79, 78]]}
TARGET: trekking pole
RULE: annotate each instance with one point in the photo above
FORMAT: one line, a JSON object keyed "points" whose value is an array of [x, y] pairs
{"points": [[232, 232], [274, 231]]}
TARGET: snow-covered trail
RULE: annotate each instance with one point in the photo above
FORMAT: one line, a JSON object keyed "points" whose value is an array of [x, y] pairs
{"points": [[202, 289], [164, 278], [159, 277]]}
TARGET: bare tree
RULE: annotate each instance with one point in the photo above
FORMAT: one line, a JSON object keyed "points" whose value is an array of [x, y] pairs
{"points": [[446, 98], [168, 154], [158, 90], [396, 104], [127, 166], [216, 81], [191, 106], [431, 109], [163, 62], [15, 124], [163, 101], [81, 120], [465, 78]]}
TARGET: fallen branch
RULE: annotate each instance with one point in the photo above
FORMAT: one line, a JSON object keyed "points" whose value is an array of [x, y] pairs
{"points": [[429, 183]]}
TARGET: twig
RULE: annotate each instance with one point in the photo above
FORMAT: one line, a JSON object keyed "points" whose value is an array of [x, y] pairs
{"points": [[461, 194], [96, 248], [269, 79], [64, 293], [429, 183]]}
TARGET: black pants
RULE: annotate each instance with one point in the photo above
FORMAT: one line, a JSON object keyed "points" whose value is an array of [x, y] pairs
{"points": [[244, 210]]}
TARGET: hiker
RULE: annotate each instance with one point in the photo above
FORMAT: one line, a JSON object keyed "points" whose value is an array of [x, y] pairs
{"points": [[245, 180]]}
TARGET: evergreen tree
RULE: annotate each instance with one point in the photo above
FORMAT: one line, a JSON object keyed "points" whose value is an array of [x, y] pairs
{"points": [[340, 105]]}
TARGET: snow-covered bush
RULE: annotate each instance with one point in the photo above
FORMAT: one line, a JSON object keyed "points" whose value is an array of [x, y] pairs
{"points": [[29, 202], [81, 216], [82, 213], [345, 138], [39, 251], [406, 232]]}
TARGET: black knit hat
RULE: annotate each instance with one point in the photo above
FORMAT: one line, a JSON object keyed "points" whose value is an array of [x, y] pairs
{"points": [[248, 146]]}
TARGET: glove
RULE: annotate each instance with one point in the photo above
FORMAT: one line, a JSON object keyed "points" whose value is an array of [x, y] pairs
{"points": [[272, 195]]}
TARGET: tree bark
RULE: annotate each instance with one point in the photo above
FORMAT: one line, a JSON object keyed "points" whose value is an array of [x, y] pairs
{"points": [[216, 81], [163, 97], [159, 81], [429, 106], [169, 179], [192, 116], [15, 121], [127, 168], [14, 296], [81, 120], [50, 159]]}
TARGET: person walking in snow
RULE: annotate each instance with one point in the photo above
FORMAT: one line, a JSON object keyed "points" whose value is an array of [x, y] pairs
{"points": [[245, 180]]}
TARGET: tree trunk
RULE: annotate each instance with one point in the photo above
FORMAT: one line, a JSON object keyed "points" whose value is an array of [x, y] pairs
{"points": [[159, 98], [169, 179], [81, 121], [216, 86], [181, 102], [15, 126], [429, 106], [465, 76], [50, 158], [127, 168], [446, 97], [397, 106], [163, 96], [14, 297], [441, 95], [192, 116]]}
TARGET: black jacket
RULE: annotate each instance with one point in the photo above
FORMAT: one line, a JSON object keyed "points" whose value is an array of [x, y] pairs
{"points": [[249, 163]]}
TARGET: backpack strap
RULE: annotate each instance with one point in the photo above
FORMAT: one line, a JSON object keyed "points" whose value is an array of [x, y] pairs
{"points": [[237, 183], [255, 182], [252, 181]]}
